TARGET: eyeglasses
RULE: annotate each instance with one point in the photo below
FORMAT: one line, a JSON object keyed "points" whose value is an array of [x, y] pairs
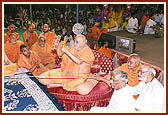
{"points": [[129, 62], [114, 80]]}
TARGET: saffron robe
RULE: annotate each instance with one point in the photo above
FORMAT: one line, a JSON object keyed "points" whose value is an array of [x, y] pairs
{"points": [[45, 55], [33, 38], [6, 36], [132, 75], [105, 51], [143, 22], [9, 69], [95, 33], [50, 37], [29, 62], [70, 69], [12, 52]]}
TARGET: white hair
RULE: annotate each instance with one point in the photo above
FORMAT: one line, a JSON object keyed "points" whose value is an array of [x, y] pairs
{"points": [[135, 56], [150, 69], [153, 71], [123, 75]]}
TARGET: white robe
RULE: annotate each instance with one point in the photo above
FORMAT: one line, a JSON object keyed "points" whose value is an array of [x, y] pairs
{"points": [[121, 100], [157, 18], [132, 25], [161, 16], [162, 20], [151, 96], [114, 28], [149, 30]]}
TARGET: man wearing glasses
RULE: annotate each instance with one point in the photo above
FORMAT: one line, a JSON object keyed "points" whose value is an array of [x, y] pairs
{"points": [[131, 68], [122, 98], [150, 90]]}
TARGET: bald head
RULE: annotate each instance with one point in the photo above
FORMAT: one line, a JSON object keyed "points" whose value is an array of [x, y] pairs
{"points": [[12, 38], [80, 42], [82, 37], [11, 28], [134, 58], [133, 61], [42, 40], [31, 28]]}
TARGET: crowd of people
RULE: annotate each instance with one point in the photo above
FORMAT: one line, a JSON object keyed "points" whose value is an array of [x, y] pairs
{"points": [[135, 86], [110, 17]]}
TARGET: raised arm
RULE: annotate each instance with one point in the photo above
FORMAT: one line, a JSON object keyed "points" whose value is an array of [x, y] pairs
{"points": [[75, 59]]}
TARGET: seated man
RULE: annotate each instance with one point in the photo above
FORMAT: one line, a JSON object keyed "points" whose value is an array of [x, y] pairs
{"points": [[69, 38], [150, 25], [49, 35], [43, 50], [131, 68], [31, 61], [144, 19], [122, 98], [114, 28], [94, 32], [11, 48], [9, 67], [11, 29], [30, 36], [105, 50], [75, 69], [151, 94], [132, 25]]}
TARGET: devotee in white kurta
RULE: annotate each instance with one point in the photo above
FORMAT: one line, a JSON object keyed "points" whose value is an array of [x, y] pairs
{"points": [[69, 38], [122, 98], [149, 26], [162, 21], [132, 25], [151, 96]]}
